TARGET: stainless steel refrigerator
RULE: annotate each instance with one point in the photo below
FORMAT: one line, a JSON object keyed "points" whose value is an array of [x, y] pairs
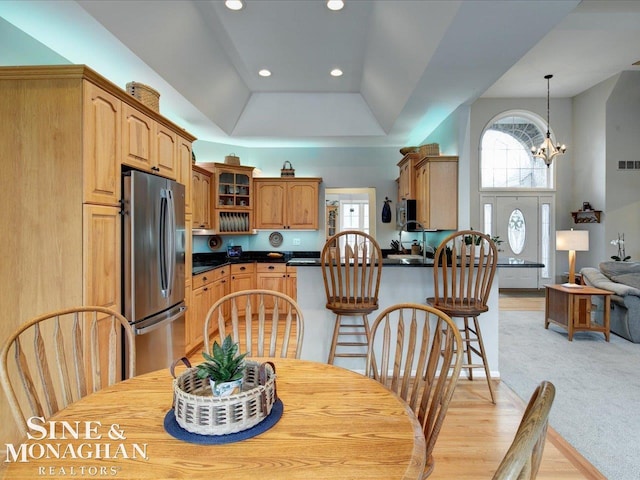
{"points": [[153, 266]]}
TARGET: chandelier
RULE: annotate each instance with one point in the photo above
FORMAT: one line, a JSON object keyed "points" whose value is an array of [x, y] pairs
{"points": [[547, 151]]}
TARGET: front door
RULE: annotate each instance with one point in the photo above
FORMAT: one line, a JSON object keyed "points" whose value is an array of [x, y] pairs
{"points": [[524, 224]]}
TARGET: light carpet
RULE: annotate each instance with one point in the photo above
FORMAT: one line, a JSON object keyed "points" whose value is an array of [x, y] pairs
{"points": [[597, 403]]}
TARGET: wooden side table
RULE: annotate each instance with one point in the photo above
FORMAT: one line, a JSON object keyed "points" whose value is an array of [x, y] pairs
{"points": [[570, 308]]}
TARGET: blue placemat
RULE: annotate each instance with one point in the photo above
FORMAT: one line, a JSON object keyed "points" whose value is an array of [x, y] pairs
{"points": [[176, 431]]}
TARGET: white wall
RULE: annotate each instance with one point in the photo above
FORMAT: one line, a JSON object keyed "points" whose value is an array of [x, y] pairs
{"points": [[623, 186], [589, 169]]}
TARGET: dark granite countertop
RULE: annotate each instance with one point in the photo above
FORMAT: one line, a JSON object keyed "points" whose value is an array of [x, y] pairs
{"points": [[203, 262]]}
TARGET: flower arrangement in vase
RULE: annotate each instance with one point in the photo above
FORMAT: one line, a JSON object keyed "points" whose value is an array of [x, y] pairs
{"points": [[622, 256]]}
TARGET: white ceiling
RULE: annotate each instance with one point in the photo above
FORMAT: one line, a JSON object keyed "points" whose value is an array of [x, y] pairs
{"points": [[408, 64]]}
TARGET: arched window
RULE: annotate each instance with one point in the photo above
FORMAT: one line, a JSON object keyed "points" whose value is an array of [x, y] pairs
{"points": [[506, 161]]}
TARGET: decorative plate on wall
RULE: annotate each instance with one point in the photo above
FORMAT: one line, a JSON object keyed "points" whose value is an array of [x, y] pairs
{"points": [[275, 239], [215, 242]]}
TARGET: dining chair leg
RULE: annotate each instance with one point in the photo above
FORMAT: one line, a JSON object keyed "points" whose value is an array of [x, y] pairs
{"points": [[368, 336], [484, 358]]}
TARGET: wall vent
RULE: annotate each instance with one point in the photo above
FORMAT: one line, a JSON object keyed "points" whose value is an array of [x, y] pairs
{"points": [[629, 165]]}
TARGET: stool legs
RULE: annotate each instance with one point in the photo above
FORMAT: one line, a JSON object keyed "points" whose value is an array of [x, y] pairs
{"points": [[480, 351], [343, 331]]}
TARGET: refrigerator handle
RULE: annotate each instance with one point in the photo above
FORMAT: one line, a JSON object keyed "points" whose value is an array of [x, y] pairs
{"points": [[164, 243], [171, 241]]}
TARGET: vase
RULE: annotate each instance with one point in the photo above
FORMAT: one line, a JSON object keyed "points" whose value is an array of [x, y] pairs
{"points": [[224, 389]]}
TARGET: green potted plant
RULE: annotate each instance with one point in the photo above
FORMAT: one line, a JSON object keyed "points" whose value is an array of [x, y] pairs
{"points": [[497, 241], [224, 367], [469, 239]]}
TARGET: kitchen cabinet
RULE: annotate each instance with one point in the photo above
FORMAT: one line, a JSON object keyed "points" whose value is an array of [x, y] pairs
{"points": [[101, 256], [406, 178], [243, 277], [289, 203], [278, 277], [436, 181], [65, 143], [99, 163], [201, 197], [166, 152], [331, 221], [147, 144], [137, 139], [207, 288], [232, 198], [185, 158]]}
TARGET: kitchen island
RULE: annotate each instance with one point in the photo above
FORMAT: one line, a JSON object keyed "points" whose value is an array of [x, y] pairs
{"points": [[406, 279], [400, 282]]}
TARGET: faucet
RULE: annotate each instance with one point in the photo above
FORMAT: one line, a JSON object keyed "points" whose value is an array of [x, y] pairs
{"points": [[424, 238]]}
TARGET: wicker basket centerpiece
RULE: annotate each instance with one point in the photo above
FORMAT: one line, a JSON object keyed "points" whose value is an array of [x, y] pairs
{"points": [[202, 407], [198, 411]]}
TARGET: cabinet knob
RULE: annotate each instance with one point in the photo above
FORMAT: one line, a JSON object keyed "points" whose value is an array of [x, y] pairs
{"points": [[243, 268], [205, 278], [271, 267], [205, 289]]}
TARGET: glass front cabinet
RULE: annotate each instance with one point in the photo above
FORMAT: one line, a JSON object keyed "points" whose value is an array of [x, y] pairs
{"points": [[233, 199]]}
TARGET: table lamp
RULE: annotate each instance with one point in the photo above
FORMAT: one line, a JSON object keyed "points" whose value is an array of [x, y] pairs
{"points": [[572, 241]]}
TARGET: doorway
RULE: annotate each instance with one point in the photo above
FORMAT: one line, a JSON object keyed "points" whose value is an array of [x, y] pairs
{"points": [[524, 224]]}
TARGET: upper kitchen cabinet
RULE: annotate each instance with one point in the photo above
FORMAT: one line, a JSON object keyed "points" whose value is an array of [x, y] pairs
{"points": [[406, 179], [166, 152], [232, 198], [289, 203], [147, 144], [201, 197], [185, 156], [101, 136], [436, 185]]}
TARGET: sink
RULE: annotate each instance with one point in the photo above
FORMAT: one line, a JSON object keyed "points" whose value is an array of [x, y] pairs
{"points": [[404, 257], [407, 259], [303, 261]]}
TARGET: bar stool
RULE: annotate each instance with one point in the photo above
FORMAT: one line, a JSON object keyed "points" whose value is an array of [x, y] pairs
{"points": [[464, 267], [351, 268]]}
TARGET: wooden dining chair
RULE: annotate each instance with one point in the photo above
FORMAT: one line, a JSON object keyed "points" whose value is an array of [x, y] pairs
{"points": [[62, 356], [351, 268], [463, 270], [522, 460], [264, 323], [420, 361]]}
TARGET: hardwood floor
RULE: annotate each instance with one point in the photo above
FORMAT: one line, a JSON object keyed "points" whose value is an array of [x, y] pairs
{"points": [[476, 434]]}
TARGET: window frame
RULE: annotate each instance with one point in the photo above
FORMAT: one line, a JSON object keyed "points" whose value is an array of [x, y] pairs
{"points": [[541, 124]]}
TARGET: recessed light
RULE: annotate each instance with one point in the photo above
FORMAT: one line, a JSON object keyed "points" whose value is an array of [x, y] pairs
{"points": [[234, 4], [264, 73], [336, 72], [335, 5]]}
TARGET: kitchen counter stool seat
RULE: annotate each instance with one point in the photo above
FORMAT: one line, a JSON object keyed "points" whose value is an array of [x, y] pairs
{"points": [[463, 270], [351, 269]]}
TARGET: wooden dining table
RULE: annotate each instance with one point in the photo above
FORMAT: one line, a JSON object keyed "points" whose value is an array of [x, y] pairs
{"points": [[336, 424]]}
